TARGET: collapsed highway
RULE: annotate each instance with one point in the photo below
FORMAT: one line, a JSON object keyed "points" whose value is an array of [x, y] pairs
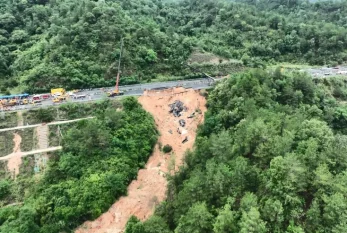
{"points": [[129, 90], [138, 89]]}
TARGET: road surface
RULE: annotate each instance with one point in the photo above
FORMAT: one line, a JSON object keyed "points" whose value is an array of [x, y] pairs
{"points": [[129, 90], [326, 71], [137, 89]]}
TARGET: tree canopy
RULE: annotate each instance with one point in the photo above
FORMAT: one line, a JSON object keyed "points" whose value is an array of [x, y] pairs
{"points": [[76, 44], [270, 157], [99, 159]]}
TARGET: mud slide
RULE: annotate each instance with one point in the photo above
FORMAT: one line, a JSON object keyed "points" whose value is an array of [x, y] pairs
{"points": [[15, 161], [150, 187]]}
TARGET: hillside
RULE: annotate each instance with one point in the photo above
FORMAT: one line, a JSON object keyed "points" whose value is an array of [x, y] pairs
{"points": [[270, 157], [262, 150], [100, 157], [75, 44]]}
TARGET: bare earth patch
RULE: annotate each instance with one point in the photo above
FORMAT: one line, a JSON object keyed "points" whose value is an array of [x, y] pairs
{"points": [[14, 162], [150, 187]]}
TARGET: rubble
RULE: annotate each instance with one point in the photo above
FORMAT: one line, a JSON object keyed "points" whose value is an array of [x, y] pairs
{"points": [[182, 122], [185, 140], [191, 115], [176, 108], [170, 131]]}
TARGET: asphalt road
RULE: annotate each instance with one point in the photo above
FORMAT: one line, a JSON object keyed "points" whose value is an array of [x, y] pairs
{"points": [[137, 89], [129, 90], [326, 71]]}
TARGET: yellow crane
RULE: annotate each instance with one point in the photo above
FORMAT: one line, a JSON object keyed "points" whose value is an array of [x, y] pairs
{"points": [[116, 91]]}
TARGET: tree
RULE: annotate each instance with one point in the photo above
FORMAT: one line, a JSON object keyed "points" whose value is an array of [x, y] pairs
{"points": [[251, 223], [197, 220], [167, 148], [226, 220]]}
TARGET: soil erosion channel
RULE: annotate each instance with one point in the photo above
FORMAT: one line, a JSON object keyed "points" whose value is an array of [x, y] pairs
{"points": [[150, 187]]}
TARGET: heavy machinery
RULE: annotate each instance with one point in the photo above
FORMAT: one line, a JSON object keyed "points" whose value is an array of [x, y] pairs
{"points": [[59, 99], [57, 92], [9, 102], [116, 91], [56, 100], [24, 101], [35, 101]]}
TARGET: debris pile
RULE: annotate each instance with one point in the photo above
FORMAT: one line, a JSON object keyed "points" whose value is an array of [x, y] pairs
{"points": [[176, 108], [191, 115], [185, 140]]}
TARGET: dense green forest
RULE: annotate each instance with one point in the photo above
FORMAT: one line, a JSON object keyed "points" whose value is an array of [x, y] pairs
{"points": [[76, 43], [270, 157], [100, 157]]}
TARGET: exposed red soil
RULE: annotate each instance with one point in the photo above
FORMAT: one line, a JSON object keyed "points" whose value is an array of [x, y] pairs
{"points": [[150, 187], [15, 161]]}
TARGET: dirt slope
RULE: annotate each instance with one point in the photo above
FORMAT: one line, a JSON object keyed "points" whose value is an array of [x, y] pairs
{"points": [[15, 161], [150, 187]]}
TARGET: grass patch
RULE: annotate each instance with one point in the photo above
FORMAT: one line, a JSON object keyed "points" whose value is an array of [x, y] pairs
{"points": [[27, 167], [53, 137], [54, 134], [6, 143], [3, 170], [28, 139], [8, 120]]}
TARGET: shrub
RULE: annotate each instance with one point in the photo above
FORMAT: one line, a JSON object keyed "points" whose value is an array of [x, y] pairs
{"points": [[167, 148]]}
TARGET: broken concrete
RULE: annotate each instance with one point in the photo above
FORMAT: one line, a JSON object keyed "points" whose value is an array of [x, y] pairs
{"points": [[185, 140], [176, 108]]}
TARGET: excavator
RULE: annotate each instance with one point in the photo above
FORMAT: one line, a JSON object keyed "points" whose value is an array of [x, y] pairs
{"points": [[116, 91]]}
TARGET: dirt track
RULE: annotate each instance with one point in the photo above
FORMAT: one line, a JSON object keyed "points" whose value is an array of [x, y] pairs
{"points": [[15, 160], [150, 187], [22, 154]]}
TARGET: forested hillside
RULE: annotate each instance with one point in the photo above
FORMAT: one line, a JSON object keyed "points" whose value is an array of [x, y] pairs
{"points": [[99, 159], [76, 43], [270, 157]]}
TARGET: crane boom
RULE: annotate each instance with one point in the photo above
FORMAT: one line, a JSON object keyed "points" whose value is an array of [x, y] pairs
{"points": [[118, 73], [116, 91]]}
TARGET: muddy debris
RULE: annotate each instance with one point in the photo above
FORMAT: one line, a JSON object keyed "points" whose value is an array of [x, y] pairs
{"points": [[152, 179], [170, 131]]}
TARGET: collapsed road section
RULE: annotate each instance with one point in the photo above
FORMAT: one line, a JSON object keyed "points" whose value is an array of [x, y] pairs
{"points": [[149, 189]]}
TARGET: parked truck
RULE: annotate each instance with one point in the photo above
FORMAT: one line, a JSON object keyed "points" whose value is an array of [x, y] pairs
{"points": [[57, 92]]}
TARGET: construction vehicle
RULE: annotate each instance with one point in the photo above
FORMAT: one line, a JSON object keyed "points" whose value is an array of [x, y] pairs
{"points": [[57, 92], [13, 102], [24, 101], [62, 97], [59, 99], [56, 100], [35, 101], [116, 91], [10, 102]]}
